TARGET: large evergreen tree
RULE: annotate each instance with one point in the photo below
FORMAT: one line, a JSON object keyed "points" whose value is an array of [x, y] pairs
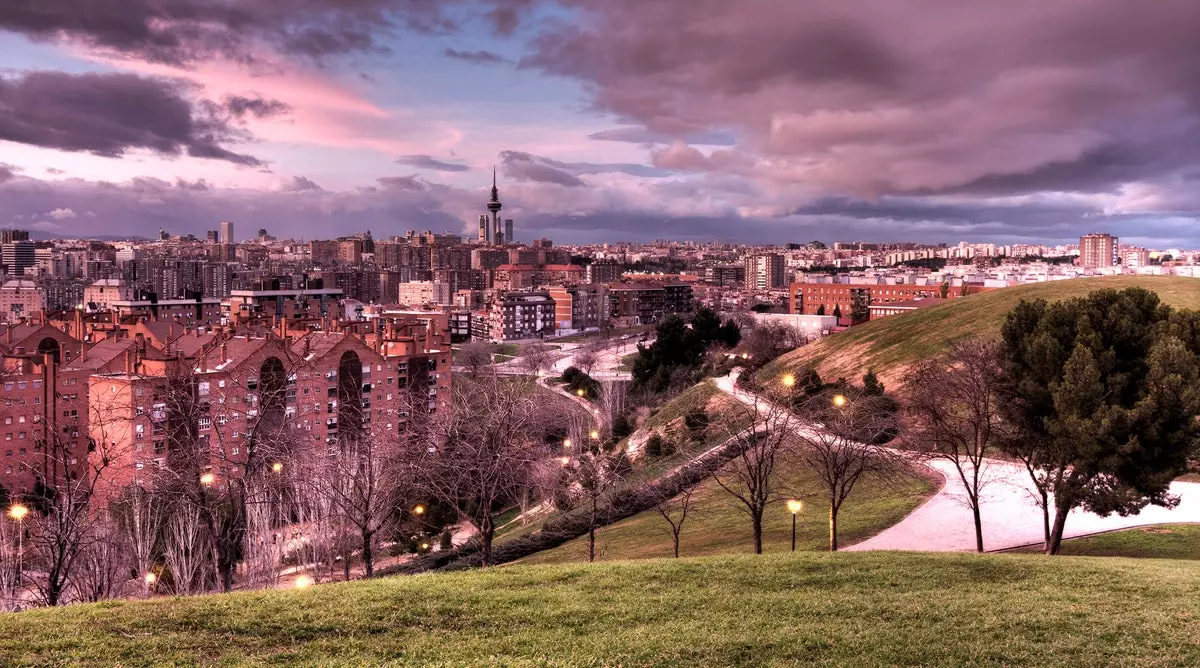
{"points": [[1104, 392]]}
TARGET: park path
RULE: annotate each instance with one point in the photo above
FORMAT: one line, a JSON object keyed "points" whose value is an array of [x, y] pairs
{"points": [[1010, 514]]}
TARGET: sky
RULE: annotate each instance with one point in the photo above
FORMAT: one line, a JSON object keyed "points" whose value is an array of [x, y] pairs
{"points": [[758, 121]]}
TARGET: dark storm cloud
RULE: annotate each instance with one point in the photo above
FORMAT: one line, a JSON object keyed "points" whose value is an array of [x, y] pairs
{"points": [[476, 57], [874, 97], [109, 115], [422, 161], [180, 31]]}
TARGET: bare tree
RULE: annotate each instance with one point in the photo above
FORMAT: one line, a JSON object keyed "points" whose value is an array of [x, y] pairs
{"points": [[10, 585], [140, 515], [585, 358], [751, 476], [839, 446], [187, 551], [952, 414], [675, 512], [536, 357], [475, 355], [479, 456], [596, 475], [102, 567]]}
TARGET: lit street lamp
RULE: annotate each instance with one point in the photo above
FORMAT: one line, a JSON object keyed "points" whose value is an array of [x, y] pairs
{"points": [[418, 509], [18, 513], [277, 467], [794, 507], [567, 443], [595, 435], [208, 479], [789, 381], [303, 582], [839, 400]]}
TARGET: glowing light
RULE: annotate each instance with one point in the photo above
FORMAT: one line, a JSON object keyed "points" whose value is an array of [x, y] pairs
{"points": [[18, 512], [418, 509], [789, 380], [207, 479], [277, 467], [565, 460], [745, 356], [794, 506], [579, 392], [151, 578], [839, 400], [595, 434], [424, 546], [567, 443], [304, 582]]}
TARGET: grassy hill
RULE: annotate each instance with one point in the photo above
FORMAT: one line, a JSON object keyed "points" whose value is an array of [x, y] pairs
{"points": [[717, 523], [890, 345], [1161, 541], [806, 609]]}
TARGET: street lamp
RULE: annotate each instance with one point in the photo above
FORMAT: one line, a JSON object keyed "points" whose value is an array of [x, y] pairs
{"points": [[418, 509], [18, 513], [580, 393], [303, 582], [277, 467], [839, 400], [794, 507], [150, 579], [595, 434], [789, 381], [207, 479], [567, 443], [565, 461]]}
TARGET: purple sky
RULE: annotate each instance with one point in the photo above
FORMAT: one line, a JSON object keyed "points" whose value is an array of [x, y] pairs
{"points": [[759, 120]]}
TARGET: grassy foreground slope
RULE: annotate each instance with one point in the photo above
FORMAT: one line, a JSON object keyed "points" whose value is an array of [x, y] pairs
{"points": [[809, 609], [890, 345], [717, 523]]}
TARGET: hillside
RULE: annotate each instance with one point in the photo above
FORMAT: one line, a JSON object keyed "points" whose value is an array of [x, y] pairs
{"points": [[890, 345], [807, 609], [717, 524]]}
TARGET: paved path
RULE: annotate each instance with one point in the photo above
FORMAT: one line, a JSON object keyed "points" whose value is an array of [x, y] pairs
{"points": [[1010, 514]]}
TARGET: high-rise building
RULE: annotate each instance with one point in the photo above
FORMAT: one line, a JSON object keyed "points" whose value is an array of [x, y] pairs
{"points": [[226, 232], [1097, 250], [9, 236], [508, 231], [17, 256], [765, 271], [213, 236], [1135, 257]]}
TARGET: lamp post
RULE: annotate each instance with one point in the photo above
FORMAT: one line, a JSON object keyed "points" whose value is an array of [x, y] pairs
{"points": [[839, 400], [794, 507], [18, 513]]}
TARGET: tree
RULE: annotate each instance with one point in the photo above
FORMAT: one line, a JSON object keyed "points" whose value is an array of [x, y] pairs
{"points": [[586, 358], [839, 448], [678, 351], [944, 289], [837, 311], [821, 310], [536, 357], [751, 476], [675, 512], [481, 454], [871, 385], [475, 355], [952, 413], [141, 515], [768, 340], [1103, 394], [596, 475]]}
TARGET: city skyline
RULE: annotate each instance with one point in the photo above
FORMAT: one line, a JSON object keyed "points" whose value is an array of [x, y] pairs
{"points": [[1021, 124]]}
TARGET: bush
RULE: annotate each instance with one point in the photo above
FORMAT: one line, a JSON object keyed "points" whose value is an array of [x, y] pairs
{"points": [[654, 446], [622, 427], [447, 540], [696, 422]]}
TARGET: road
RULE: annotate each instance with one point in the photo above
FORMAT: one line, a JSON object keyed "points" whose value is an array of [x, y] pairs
{"points": [[1010, 515], [607, 365]]}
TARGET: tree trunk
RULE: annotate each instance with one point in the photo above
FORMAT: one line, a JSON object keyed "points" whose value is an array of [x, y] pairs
{"points": [[833, 535], [756, 520], [486, 532], [1061, 509], [978, 526], [1045, 519], [592, 532], [676, 544], [367, 555]]}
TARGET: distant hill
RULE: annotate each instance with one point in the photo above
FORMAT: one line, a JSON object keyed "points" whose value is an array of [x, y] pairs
{"points": [[891, 345], [804, 609]]}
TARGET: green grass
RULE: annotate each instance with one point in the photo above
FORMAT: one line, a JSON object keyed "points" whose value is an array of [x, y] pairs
{"points": [[627, 362], [889, 345], [772, 610], [1163, 541], [717, 524]]}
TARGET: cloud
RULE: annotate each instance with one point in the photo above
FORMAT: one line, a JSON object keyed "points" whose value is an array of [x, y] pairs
{"points": [[240, 106], [870, 98], [528, 167], [61, 213], [301, 184], [642, 135], [421, 161], [476, 57], [7, 172], [110, 115], [182, 31]]}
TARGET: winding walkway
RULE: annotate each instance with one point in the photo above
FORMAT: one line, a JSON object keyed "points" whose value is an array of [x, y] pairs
{"points": [[1010, 514]]}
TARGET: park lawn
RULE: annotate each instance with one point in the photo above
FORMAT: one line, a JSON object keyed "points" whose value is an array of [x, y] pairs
{"points": [[627, 362], [1161, 541], [847, 609], [716, 523], [891, 345]]}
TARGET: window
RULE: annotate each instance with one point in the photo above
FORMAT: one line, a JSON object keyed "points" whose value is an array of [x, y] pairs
{"points": [[22, 384], [8, 419], [37, 384], [21, 419], [22, 437]]}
